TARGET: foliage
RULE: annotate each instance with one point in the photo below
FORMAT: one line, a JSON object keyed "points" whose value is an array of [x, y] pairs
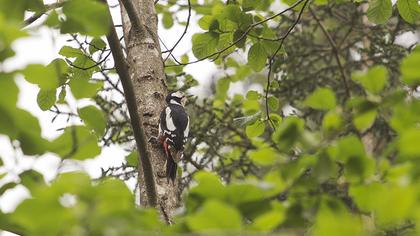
{"points": [[346, 161]]}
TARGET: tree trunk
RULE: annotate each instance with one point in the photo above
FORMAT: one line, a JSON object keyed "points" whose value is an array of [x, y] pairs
{"points": [[147, 74]]}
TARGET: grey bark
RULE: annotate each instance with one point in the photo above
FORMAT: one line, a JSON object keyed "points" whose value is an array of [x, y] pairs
{"points": [[147, 72]]}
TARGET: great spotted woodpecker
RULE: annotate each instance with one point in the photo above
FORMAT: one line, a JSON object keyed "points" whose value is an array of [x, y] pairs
{"points": [[173, 131]]}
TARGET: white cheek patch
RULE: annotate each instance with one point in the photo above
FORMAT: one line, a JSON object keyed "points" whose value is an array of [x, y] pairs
{"points": [[169, 123], [178, 94]]}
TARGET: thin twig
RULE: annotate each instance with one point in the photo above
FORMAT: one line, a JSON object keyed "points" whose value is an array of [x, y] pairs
{"points": [[271, 61], [183, 33], [218, 53], [335, 51]]}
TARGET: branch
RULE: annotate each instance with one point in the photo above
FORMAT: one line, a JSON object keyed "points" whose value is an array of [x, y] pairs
{"points": [[183, 34], [335, 51], [36, 16], [135, 20], [136, 119], [271, 61], [218, 53]]}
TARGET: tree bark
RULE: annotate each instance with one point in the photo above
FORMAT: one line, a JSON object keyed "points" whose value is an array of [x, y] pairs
{"points": [[148, 78]]}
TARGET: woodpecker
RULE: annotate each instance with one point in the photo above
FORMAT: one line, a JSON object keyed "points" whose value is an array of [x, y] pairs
{"points": [[173, 131]]}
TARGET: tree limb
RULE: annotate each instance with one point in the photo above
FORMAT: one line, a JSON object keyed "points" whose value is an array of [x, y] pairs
{"points": [[135, 118]]}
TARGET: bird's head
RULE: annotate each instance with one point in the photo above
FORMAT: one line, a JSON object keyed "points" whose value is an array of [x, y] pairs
{"points": [[177, 97]]}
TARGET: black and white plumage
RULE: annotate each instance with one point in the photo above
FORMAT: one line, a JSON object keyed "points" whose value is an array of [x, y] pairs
{"points": [[173, 131]]}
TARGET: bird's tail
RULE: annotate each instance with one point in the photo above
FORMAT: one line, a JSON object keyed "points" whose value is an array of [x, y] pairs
{"points": [[171, 168]]}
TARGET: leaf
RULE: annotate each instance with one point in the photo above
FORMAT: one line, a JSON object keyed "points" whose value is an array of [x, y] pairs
{"points": [[326, 222], [76, 142], [96, 44], [269, 221], [82, 88], [252, 95], [209, 186], [321, 99], [241, 36], [87, 17], [133, 158], [410, 68], [332, 121], [289, 132], [264, 156], [44, 76], [375, 79], [257, 57], [273, 103], [408, 143], [256, 129], [409, 10], [379, 11], [389, 203], [204, 44], [70, 52], [46, 98], [9, 91], [94, 119], [364, 120], [167, 20], [215, 216]]}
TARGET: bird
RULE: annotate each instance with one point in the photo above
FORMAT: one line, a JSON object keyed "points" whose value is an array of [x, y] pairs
{"points": [[173, 131]]}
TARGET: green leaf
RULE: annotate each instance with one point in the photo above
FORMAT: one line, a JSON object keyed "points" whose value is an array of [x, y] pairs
{"points": [[76, 142], [209, 186], [133, 158], [408, 143], [327, 224], [252, 95], [409, 10], [96, 44], [410, 68], [289, 132], [391, 204], [241, 36], [62, 95], [256, 129], [269, 221], [264, 156], [257, 57], [321, 99], [9, 91], [94, 119], [29, 133], [70, 52], [47, 77], [364, 120], [204, 44], [87, 17], [167, 20], [44, 76], [375, 79], [46, 98], [350, 146], [273, 103], [215, 216], [379, 11], [82, 88], [332, 121]]}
